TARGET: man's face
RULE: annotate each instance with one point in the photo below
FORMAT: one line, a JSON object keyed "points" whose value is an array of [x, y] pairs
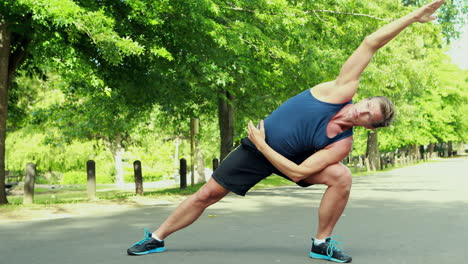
{"points": [[366, 112]]}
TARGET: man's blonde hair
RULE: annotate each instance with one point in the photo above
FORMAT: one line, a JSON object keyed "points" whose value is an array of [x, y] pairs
{"points": [[388, 111]]}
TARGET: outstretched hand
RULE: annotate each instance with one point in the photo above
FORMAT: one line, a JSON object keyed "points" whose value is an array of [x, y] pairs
{"points": [[425, 13], [257, 136]]}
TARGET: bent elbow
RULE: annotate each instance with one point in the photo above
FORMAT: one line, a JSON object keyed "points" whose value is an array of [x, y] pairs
{"points": [[298, 175], [295, 178]]}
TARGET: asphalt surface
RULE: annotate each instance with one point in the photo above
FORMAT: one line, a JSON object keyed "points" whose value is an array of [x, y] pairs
{"points": [[417, 214]]}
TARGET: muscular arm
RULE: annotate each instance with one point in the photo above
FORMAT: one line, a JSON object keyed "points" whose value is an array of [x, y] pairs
{"points": [[346, 84], [332, 154]]}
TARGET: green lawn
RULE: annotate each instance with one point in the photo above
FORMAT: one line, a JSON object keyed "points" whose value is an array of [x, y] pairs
{"points": [[78, 193]]}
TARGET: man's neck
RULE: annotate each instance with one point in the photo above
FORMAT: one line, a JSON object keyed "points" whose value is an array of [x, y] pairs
{"points": [[343, 118]]}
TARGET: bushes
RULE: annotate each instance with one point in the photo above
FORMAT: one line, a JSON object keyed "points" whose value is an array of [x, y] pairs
{"points": [[66, 163], [80, 177], [152, 174]]}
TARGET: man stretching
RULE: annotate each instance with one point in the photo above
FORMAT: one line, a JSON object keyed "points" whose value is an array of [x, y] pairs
{"points": [[303, 140]]}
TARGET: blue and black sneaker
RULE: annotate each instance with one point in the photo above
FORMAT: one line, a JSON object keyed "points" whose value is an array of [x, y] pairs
{"points": [[329, 250], [146, 246]]}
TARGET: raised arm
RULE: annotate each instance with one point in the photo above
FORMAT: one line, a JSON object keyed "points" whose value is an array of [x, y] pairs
{"points": [[346, 83]]}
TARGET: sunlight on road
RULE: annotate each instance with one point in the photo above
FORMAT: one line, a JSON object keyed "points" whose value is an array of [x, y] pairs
{"points": [[443, 181]]}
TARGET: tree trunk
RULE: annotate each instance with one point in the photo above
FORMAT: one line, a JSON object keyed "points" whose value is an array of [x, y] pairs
{"points": [[117, 153], [450, 148], [414, 152], [200, 164], [460, 148], [226, 122], [177, 142], [5, 36], [430, 149], [422, 153], [373, 150]]}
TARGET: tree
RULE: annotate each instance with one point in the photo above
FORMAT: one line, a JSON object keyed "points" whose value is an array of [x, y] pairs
{"points": [[452, 16], [248, 57], [49, 29]]}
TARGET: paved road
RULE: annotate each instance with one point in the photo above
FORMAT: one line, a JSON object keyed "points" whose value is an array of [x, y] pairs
{"points": [[417, 214]]}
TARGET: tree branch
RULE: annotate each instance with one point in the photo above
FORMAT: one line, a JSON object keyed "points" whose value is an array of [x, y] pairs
{"points": [[17, 57], [347, 13], [236, 8]]}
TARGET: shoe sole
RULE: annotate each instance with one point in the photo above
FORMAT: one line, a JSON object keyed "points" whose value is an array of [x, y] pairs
{"points": [[318, 256], [156, 250]]}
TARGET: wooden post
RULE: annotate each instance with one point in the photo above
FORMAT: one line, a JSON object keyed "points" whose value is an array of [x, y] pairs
{"points": [[29, 183], [183, 173], [194, 129], [215, 164], [91, 174], [138, 177]]}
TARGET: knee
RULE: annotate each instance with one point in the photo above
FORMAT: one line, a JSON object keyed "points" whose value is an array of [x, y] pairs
{"points": [[340, 175], [206, 196]]}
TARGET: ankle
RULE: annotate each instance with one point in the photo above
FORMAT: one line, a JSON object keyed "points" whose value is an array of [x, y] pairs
{"points": [[153, 235], [159, 235], [318, 241]]}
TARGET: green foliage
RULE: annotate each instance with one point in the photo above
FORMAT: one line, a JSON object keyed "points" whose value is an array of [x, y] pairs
{"points": [[156, 157], [141, 69], [55, 163], [452, 16]]}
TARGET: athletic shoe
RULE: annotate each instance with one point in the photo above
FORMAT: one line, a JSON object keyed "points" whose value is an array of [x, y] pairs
{"points": [[329, 250], [147, 245]]}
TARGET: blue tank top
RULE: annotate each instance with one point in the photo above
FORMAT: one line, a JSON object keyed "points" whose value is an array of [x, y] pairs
{"points": [[299, 125]]}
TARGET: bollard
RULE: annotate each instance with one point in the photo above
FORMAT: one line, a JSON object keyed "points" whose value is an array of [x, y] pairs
{"points": [[138, 177], [29, 183], [91, 176], [183, 173], [215, 164]]}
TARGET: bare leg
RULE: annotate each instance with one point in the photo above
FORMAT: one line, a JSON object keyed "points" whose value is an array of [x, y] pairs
{"points": [[338, 179], [190, 209]]}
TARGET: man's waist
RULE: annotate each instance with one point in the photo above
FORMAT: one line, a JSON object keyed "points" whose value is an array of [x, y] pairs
{"points": [[297, 158]]}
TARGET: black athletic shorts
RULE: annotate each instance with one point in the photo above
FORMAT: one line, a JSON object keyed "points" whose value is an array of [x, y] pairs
{"points": [[245, 166]]}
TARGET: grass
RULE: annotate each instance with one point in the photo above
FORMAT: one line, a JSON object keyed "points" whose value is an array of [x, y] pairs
{"points": [[78, 193]]}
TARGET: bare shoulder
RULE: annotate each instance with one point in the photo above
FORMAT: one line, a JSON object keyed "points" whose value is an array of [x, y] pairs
{"points": [[333, 92]]}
